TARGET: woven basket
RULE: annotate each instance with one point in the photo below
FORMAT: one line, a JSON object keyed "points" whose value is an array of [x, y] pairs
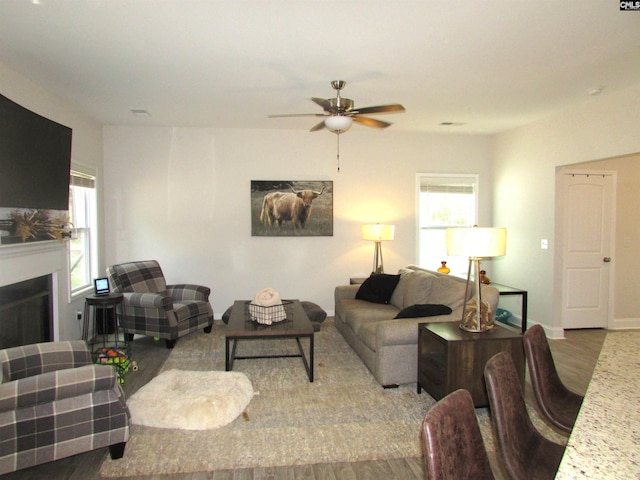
{"points": [[271, 314]]}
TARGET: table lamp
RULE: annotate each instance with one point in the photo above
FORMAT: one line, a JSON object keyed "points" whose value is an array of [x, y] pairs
{"points": [[476, 243], [378, 233]]}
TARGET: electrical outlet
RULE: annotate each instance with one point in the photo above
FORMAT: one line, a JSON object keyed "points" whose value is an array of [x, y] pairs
{"points": [[544, 244], [78, 315]]}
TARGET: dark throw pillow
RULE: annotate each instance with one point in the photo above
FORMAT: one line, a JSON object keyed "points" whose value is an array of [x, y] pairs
{"points": [[424, 310], [378, 288]]}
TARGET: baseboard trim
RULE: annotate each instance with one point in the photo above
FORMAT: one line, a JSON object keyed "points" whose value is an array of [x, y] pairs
{"points": [[624, 323]]}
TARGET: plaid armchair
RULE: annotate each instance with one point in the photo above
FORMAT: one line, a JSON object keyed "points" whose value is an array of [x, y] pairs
{"points": [[155, 309], [54, 403]]}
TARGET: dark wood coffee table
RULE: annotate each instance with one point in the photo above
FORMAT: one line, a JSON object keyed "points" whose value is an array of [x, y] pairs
{"points": [[240, 327]]}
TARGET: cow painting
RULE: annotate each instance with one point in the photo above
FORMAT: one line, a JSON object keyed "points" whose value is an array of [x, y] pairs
{"points": [[294, 207]]}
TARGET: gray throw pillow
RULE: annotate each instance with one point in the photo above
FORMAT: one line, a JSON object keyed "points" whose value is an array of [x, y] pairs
{"points": [[424, 310]]}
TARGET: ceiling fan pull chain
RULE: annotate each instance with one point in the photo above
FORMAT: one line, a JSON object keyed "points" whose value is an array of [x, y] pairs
{"points": [[338, 153]]}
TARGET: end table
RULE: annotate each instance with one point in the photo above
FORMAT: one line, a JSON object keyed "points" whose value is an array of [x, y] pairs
{"points": [[108, 305], [450, 358]]}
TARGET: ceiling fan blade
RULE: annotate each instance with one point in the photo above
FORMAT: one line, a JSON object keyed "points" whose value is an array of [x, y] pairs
{"points": [[298, 115], [371, 122], [392, 108], [323, 102], [317, 127]]}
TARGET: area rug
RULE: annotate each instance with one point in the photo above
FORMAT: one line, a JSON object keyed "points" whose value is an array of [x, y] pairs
{"points": [[191, 400], [343, 416]]}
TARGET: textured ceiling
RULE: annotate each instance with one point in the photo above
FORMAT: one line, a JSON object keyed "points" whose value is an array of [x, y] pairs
{"points": [[489, 65]]}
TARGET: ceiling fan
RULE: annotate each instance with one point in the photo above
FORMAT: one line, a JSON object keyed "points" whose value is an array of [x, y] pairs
{"points": [[339, 113]]}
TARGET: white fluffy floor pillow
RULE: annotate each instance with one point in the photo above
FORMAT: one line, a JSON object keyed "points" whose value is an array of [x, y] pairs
{"points": [[191, 400]]}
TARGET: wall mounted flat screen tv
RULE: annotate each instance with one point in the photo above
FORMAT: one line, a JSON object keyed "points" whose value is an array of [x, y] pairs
{"points": [[35, 159]]}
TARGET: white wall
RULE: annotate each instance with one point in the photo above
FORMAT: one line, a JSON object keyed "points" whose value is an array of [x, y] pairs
{"points": [[181, 196], [21, 262], [524, 165]]}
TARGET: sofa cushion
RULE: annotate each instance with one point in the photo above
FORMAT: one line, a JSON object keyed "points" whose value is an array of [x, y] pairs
{"points": [[397, 297], [360, 312], [418, 288], [378, 288], [447, 291], [424, 310]]}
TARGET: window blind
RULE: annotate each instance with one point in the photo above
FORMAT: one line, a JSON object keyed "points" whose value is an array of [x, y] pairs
{"points": [[82, 180]]}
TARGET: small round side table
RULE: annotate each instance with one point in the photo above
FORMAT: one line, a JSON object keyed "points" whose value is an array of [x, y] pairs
{"points": [[108, 304]]}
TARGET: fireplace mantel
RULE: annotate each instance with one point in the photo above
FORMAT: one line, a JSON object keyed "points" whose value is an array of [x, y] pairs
{"points": [[23, 261]]}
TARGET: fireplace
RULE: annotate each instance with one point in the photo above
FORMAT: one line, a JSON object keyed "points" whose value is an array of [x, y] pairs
{"points": [[26, 312]]}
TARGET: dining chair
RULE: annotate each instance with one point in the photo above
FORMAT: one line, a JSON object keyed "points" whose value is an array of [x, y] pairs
{"points": [[526, 453], [452, 445], [557, 403]]}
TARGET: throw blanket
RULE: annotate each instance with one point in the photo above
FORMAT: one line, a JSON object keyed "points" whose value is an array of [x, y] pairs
{"points": [[267, 307], [267, 297]]}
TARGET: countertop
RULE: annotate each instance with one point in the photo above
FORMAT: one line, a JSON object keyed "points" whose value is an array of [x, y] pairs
{"points": [[605, 441]]}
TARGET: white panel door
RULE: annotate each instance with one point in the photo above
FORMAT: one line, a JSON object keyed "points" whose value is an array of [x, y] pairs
{"points": [[587, 227]]}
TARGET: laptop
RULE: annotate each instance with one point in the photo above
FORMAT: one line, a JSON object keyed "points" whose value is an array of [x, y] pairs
{"points": [[101, 286]]}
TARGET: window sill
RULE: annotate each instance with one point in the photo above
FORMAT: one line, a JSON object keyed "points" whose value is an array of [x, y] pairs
{"points": [[81, 293]]}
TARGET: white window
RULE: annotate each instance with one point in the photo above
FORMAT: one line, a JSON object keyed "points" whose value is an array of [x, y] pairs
{"points": [[444, 201], [83, 245]]}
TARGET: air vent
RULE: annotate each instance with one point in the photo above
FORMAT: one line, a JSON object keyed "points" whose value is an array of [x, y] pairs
{"points": [[140, 112]]}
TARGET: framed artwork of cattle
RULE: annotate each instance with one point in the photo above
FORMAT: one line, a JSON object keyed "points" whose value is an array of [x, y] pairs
{"points": [[289, 208]]}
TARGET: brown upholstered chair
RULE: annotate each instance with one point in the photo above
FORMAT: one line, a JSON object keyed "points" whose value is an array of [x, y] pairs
{"points": [[452, 444], [526, 453], [557, 403]]}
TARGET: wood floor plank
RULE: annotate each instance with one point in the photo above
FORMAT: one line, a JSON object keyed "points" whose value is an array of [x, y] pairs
{"points": [[222, 475], [344, 471], [89, 462], [243, 474], [372, 470], [304, 472], [417, 466], [404, 469], [274, 473], [576, 356]]}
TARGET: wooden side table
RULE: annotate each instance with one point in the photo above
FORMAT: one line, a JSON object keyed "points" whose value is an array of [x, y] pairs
{"points": [[450, 358]]}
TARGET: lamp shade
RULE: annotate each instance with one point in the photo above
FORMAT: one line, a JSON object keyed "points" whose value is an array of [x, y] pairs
{"points": [[377, 232], [476, 242], [338, 123]]}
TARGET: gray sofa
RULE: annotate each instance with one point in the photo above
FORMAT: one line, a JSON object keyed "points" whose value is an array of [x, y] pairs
{"points": [[388, 346]]}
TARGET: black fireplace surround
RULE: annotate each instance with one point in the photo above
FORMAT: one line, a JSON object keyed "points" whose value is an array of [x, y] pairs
{"points": [[26, 312]]}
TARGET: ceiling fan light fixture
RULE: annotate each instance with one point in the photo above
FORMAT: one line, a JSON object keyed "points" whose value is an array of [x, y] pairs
{"points": [[338, 123]]}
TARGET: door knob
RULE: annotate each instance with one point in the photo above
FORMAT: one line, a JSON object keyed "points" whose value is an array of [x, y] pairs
{"points": [[606, 259]]}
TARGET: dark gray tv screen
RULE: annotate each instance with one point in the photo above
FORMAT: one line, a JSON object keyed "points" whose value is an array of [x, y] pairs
{"points": [[35, 159]]}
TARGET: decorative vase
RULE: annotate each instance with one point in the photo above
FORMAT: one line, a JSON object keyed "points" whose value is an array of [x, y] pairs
{"points": [[444, 268], [483, 277]]}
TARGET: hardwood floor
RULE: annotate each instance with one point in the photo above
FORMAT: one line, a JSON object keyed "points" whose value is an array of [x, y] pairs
{"points": [[575, 358]]}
